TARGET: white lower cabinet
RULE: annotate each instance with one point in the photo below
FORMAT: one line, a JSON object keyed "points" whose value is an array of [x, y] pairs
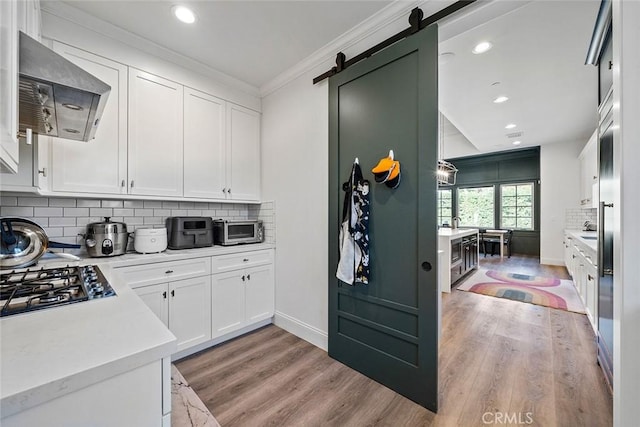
{"points": [[581, 264], [184, 306], [204, 298], [243, 290]]}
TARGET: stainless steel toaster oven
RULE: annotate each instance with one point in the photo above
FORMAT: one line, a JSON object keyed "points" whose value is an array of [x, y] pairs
{"points": [[234, 232]]}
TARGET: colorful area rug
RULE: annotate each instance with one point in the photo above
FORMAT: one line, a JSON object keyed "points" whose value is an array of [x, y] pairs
{"points": [[546, 291]]}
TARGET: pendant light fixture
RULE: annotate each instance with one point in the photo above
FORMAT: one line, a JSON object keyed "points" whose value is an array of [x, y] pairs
{"points": [[446, 174]]}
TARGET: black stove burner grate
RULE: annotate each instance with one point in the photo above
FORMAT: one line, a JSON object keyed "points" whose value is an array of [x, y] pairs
{"points": [[29, 290]]}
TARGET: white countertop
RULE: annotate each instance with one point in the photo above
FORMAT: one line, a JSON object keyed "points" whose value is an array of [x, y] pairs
{"points": [[452, 233], [579, 235], [49, 353]]}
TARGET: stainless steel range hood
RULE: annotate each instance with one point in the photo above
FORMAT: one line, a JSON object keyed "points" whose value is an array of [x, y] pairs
{"points": [[56, 97]]}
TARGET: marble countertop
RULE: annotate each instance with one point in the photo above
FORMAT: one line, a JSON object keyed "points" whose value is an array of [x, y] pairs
{"points": [[452, 233], [580, 236], [48, 353]]}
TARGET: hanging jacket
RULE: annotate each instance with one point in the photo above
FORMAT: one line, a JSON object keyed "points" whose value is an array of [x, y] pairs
{"points": [[353, 266]]}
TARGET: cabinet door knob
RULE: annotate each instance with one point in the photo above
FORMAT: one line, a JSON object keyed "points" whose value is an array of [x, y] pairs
{"points": [[164, 295], [122, 184], [245, 260], [248, 277], [229, 191], [43, 172], [131, 183], [173, 292], [243, 278], [168, 272], [224, 190]]}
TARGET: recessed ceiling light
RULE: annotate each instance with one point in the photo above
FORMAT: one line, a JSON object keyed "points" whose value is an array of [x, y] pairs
{"points": [[482, 47], [517, 142], [510, 126], [500, 99], [184, 14]]}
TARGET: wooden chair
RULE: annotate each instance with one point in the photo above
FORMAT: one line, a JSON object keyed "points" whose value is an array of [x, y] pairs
{"points": [[495, 242]]}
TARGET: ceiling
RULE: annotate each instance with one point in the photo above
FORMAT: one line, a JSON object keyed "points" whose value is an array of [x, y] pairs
{"points": [[537, 57], [537, 60], [253, 41]]}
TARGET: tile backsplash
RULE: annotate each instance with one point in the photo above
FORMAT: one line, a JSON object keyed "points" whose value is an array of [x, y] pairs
{"points": [[64, 218], [575, 218]]}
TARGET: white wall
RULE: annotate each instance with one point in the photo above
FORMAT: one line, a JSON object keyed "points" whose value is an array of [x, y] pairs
{"points": [[295, 134], [559, 191]]}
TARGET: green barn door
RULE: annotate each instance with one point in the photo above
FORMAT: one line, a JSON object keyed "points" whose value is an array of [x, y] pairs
{"points": [[388, 329]]}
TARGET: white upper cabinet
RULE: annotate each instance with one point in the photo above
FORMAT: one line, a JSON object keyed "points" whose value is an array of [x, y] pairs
{"points": [[23, 15], [204, 145], [155, 135], [243, 153], [9, 156], [73, 163]]}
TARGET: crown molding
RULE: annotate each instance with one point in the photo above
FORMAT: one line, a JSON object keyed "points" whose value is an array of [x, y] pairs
{"points": [[106, 29], [388, 15]]}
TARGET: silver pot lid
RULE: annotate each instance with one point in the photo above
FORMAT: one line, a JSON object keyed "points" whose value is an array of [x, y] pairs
{"points": [[22, 243], [106, 227]]}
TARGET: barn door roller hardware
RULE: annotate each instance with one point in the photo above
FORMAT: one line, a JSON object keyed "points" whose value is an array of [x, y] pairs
{"points": [[416, 23]]}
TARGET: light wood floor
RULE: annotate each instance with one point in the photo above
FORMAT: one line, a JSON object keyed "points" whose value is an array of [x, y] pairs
{"points": [[503, 359]]}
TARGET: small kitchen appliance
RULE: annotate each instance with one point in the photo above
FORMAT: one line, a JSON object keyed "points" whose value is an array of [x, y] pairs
{"points": [[150, 240], [106, 238], [234, 232], [186, 232], [30, 290]]}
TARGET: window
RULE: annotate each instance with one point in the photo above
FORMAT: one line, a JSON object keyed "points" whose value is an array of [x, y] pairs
{"points": [[476, 207], [444, 206], [517, 206]]}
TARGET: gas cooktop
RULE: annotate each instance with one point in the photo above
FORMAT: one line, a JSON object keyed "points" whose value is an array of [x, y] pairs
{"points": [[29, 290]]}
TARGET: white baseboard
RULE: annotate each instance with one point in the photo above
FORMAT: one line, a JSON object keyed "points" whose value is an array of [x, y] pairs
{"points": [[552, 261], [303, 330]]}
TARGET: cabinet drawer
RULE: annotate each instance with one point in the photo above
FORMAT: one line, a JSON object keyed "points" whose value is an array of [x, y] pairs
{"points": [[147, 274], [232, 262]]}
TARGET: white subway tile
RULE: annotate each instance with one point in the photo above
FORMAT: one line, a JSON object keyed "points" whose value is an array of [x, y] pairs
{"points": [[76, 212], [201, 205], [221, 213], [132, 204], [41, 221], [111, 203], [153, 220], [170, 205], [209, 212], [186, 205], [62, 203], [123, 212], [47, 212], [215, 205], [152, 204], [54, 231], [133, 220], [178, 212], [194, 212], [8, 201], [16, 211], [62, 221], [88, 203], [162, 212], [73, 231], [100, 212], [33, 201], [143, 212]]}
